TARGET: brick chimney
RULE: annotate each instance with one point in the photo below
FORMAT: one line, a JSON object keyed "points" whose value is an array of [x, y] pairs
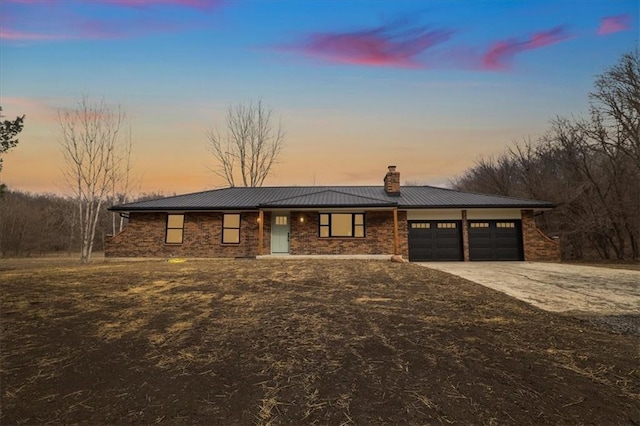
{"points": [[392, 182]]}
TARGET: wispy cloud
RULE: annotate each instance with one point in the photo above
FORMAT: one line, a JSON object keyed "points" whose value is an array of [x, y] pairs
{"points": [[196, 4], [9, 34], [40, 110], [500, 54], [389, 46], [65, 21], [403, 46], [614, 24], [91, 29]]}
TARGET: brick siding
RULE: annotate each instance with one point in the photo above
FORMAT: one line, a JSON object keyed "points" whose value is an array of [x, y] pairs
{"points": [[378, 239], [392, 181], [537, 246], [465, 237], [202, 237]]}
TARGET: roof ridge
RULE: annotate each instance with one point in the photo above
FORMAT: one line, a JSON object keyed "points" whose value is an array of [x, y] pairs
{"points": [[362, 196], [323, 191], [294, 196]]}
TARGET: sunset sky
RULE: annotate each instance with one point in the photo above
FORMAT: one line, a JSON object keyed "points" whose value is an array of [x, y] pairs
{"points": [[429, 86]]}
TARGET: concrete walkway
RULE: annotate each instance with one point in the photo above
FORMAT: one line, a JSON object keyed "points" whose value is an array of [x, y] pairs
{"points": [[556, 287]]}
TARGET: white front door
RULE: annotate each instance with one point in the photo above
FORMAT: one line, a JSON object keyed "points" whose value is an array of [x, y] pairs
{"points": [[280, 233]]}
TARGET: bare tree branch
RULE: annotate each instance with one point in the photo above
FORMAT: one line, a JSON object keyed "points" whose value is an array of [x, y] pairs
{"points": [[89, 141], [250, 146]]}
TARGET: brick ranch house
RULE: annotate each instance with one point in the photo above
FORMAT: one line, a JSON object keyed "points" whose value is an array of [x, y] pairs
{"points": [[421, 223]]}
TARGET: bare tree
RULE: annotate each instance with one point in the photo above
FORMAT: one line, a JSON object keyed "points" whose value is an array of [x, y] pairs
{"points": [[122, 180], [250, 145], [615, 106], [489, 175], [89, 140]]}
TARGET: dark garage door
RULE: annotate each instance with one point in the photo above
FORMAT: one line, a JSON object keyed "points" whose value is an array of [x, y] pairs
{"points": [[495, 240], [435, 240]]}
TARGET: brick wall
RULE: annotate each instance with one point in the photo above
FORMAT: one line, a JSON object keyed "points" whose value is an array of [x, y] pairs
{"points": [[392, 181], [378, 230], [145, 236], [537, 246], [465, 237], [202, 237]]}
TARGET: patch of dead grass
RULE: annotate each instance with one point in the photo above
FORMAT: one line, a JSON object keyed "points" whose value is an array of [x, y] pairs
{"points": [[302, 342]]}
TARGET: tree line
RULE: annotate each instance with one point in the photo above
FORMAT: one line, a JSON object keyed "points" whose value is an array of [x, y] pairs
{"points": [[588, 166], [39, 224]]}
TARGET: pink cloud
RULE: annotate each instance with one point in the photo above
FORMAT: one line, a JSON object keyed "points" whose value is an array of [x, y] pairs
{"points": [[84, 30], [500, 54], [36, 110], [62, 24], [9, 34], [614, 24], [383, 46], [196, 4]]}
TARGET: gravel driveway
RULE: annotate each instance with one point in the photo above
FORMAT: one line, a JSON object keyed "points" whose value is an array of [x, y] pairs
{"points": [[556, 287]]}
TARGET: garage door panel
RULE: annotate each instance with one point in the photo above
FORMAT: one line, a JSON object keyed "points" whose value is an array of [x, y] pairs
{"points": [[507, 254], [495, 240], [482, 253], [448, 254], [448, 246], [434, 240]]}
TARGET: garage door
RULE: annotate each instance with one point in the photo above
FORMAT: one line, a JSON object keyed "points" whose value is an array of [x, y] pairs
{"points": [[495, 240], [435, 240]]}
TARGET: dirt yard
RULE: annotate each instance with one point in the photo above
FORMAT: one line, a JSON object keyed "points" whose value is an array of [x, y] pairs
{"points": [[296, 342]]}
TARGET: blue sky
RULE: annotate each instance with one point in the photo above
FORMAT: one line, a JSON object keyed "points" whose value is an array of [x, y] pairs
{"points": [[427, 85]]}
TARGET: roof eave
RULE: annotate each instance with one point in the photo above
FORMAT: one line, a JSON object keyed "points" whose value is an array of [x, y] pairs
{"points": [[165, 209], [478, 206], [332, 206], [326, 206]]}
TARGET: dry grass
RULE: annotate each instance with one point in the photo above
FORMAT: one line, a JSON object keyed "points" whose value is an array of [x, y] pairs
{"points": [[295, 342]]}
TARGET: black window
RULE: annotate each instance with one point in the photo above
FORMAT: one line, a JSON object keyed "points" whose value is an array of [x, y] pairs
{"points": [[231, 229], [175, 229], [342, 225]]}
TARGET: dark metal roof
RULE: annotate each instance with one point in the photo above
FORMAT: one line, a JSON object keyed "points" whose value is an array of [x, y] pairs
{"points": [[328, 198], [411, 197]]}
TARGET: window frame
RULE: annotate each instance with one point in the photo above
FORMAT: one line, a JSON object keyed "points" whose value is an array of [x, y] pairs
{"points": [[420, 225], [328, 226], [230, 228], [167, 228], [447, 225], [479, 225]]}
